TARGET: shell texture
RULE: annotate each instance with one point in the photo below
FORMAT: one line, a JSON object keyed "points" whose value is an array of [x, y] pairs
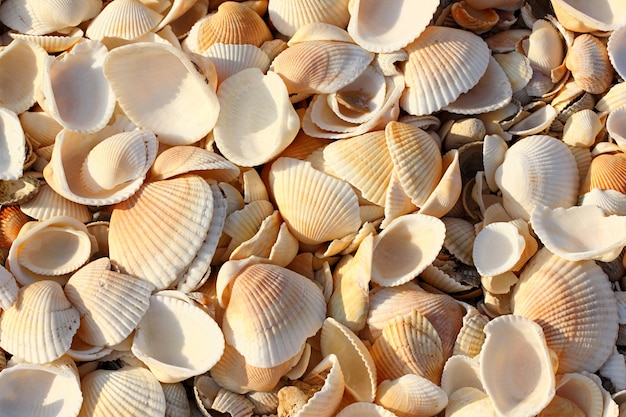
{"points": [[13, 141], [18, 87], [288, 16], [125, 19]]}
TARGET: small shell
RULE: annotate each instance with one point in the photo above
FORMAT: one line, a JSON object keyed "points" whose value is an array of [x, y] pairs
{"points": [[397, 202], [289, 16], [616, 127], [124, 19], [582, 128], [411, 395], [471, 337], [517, 68], [497, 248], [476, 20], [617, 53], [494, 151], [14, 142], [606, 172], [40, 127], [461, 371], [545, 47], [329, 375], [48, 203], [585, 17], [11, 221], [589, 63], [229, 59], [581, 390], [469, 401], [535, 122], [459, 239], [448, 190], [53, 43], [611, 201], [614, 98], [232, 404], [176, 402], [18, 191]]}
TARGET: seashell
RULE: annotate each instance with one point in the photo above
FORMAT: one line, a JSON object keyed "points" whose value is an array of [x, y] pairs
{"points": [[229, 59], [110, 304], [610, 201], [393, 29], [179, 10], [581, 311], [11, 221], [497, 248], [527, 356], [561, 406], [444, 276], [35, 17], [547, 168], [47, 384], [606, 173], [459, 238], [461, 371], [8, 289], [232, 23], [320, 66], [582, 391], [289, 16], [536, 122], [582, 128], [156, 69], [312, 216], [81, 351], [40, 325], [614, 369], [22, 64], [494, 151], [48, 203], [244, 224], [40, 127], [13, 140], [364, 409], [68, 84], [243, 140], [448, 190], [125, 19], [588, 60], [517, 68], [581, 17], [470, 18], [411, 395], [230, 403], [58, 42], [615, 50], [471, 337], [179, 160], [616, 128], [397, 202], [399, 256], [176, 402], [545, 47], [130, 389], [614, 98], [597, 237], [469, 401], [276, 290], [433, 59], [18, 191], [505, 41], [159, 248]]}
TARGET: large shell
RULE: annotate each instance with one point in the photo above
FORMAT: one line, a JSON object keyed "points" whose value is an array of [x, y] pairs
{"points": [[173, 101], [124, 19], [588, 60], [582, 16], [36, 17], [438, 55], [411, 395], [574, 304], [40, 325], [288, 16], [21, 63], [13, 142]]}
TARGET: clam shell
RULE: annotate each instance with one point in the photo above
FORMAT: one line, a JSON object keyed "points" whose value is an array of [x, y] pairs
{"points": [[494, 151], [614, 98], [581, 390], [588, 60], [433, 59], [36, 17], [40, 127], [497, 248], [411, 395], [461, 371], [527, 356], [397, 202], [179, 160], [615, 49], [233, 404], [290, 16], [22, 64], [582, 128], [506, 41], [176, 402], [546, 50], [581, 315], [459, 239], [52, 43], [18, 191], [48, 203], [125, 19], [471, 18], [614, 369], [517, 68], [616, 127], [242, 225], [229, 59], [448, 190], [537, 121], [606, 172], [580, 16], [329, 375], [13, 141], [8, 288], [40, 325], [156, 70]]}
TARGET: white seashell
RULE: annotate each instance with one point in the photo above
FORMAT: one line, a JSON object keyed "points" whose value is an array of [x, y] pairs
{"points": [[125, 19], [48, 203], [179, 160], [364, 409], [244, 140], [545, 47], [176, 402], [537, 121], [448, 190], [40, 127], [397, 202], [615, 370], [582, 128], [615, 48], [616, 127], [155, 70], [497, 248], [516, 67], [329, 396], [584, 17], [581, 390], [610, 201], [580, 232], [229, 59], [37, 17], [235, 405], [180, 9], [411, 395], [614, 98], [22, 64], [461, 371], [469, 401], [320, 31], [8, 288], [289, 16], [13, 141]]}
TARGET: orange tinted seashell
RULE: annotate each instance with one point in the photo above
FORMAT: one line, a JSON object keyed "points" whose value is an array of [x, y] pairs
{"points": [[606, 172], [11, 221]]}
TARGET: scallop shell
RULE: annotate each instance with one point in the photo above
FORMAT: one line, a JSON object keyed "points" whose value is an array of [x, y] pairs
{"points": [[290, 16], [616, 127], [125, 19], [176, 402], [156, 70], [40, 127], [588, 60], [527, 356], [616, 51], [36, 17], [537, 170], [229, 59], [132, 390], [13, 141], [48, 203], [546, 50], [606, 172], [40, 325], [8, 289], [459, 239], [582, 128], [437, 55], [52, 43], [497, 248], [581, 315], [580, 16], [411, 395], [22, 64], [179, 160]]}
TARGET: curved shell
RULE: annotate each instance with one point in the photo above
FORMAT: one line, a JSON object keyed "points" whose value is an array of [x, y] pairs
{"points": [[497, 248], [459, 240], [606, 172], [440, 54], [12, 139], [581, 390], [611, 201], [18, 191], [545, 47], [461, 371], [411, 395], [588, 60], [614, 98], [448, 189], [53, 43], [179, 160], [48, 203], [229, 59], [21, 64], [288, 16], [36, 17], [8, 288], [616, 127], [582, 127], [537, 121], [40, 325], [516, 67], [580, 318], [329, 375], [176, 402], [124, 19], [244, 134], [617, 51], [364, 409], [157, 71], [582, 16], [470, 401]]}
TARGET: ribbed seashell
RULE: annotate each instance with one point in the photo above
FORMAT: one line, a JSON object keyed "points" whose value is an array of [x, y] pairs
{"points": [[615, 49], [433, 59], [22, 64], [537, 171], [356, 362], [47, 384], [179, 160], [408, 344], [614, 369], [81, 351], [471, 337], [443, 276], [610, 201], [110, 304], [253, 186], [614, 98], [517, 68], [506, 41], [11, 221], [36, 17], [539, 120], [459, 238], [470, 18], [399, 255], [469, 401], [312, 216], [397, 202], [40, 127], [320, 66], [411, 395], [14, 141], [289, 16], [402, 22], [584, 17], [582, 391], [582, 128], [606, 172], [242, 225], [461, 371], [8, 288], [176, 402], [243, 140], [580, 232], [546, 50], [364, 409], [527, 356], [447, 192], [125, 19], [588, 60], [58, 42], [497, 248], [279, 305], [40, 325], [48, 203], [156, 69], [581, 312], [494, 151], [133, 390], [235, 405], [69, 83], [160, 248], [229, 59], [616, 127]]}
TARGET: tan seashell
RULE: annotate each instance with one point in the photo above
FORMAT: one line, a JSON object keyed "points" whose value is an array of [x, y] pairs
{"points": [[53, 43], [411, 395], [517, 68], [432, 60], [470, 18], [242, 225], [545, 47], [253, 186], [606, 172], [588, 60], [397, 202], [583, 17], [539, 120], [22, 65], [527, 355], [289, 16], [582, 128], [611, 201], [560, 406], [573, 324], [616, 128], [469, 401], [125, 19], [40, 127], [471, 337], [582, 391], [8, 289], [614, 98], [18, 191], [11, 221], [35, 17], [497, 248], [179, 160], [320, 31], [176, 402], [461, 371], [48, 203], [459, 238], [448, 190]]}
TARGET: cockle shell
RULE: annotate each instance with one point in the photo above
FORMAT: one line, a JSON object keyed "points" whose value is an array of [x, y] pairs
{"points": [[461, 371], [616, 127], [289, 16], [497, 248], [580, 16], [581, 390], [606, 172], [40, 325], [448, 190], [179, 160], [37, 17], [48, 203], [616, 51], [411, 395], [546, 49], [125, 19], [537, 121], [176, 402], [229, 59], [22, 65], [517, 68], [8, 288], [614, 98], [469, 401], [475, 20], [13, 141], [232, 404], [156, 70], [588, 60], [581, 128], [53, 43]]}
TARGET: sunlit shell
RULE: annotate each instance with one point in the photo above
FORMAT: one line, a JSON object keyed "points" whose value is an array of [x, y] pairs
{"points": [[517, 68], [459, 239], [617, 53], [37, 17], [470, 401], [411, 395], [289, 16], [581, 390], [497, 248], [505, 41], [581, 314], [157, 71], [179, 160], [242, 225], [461, 371], [8, 288], [606, 172], [41, 128], [545, 47], [582, 128], [614, 98], [448, 190], [611, 201], [471, 337], [125, 19], [581, 16], [471, 18], [440, 54], [48, 203], [21, 63], [53, 43], [539, 120], [616, 127], [229, 59], [13, 141], [589, 63]]}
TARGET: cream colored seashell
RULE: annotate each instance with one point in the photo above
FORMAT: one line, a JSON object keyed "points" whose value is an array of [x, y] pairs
{"points": [[81, 351], [582, 128], [312, 216], [433, 59], [408, 344], [444, 278], [606, 172], [615, 49], [289, 16], [399, 24], [320, 31], [459, 239], [110, 304], [610, 201], [461, 371], [54, 388], [125, 19], [588, 60], [364, 409], [470, 401], [397, 202], [264, 402], [176, 402], [179, 160], [22, 64], [545, 47], [40, 127], [494, 151], [538, 170], [580, 16], [506, 41], [497, 248], [356, 362], [582, 391], [614, 369], [616, 127], [179, 9], [527, 356], [581, 312], [244, 140], [537, 121], [411, 395], [517, 68], [253, 186], [399, 255], [168, 342], [8, 288], [229, 59], [448, 190], [13, 141], [36, 17], [48, 203], [242, 225], [471, 337], [40, 325], [233, 404], [156, 69], [52, 43], [614, 98], [580, 232], [131, 390]]}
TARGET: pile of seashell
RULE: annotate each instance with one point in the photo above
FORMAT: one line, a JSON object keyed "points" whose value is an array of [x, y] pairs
{"points": [[313, 208]]}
